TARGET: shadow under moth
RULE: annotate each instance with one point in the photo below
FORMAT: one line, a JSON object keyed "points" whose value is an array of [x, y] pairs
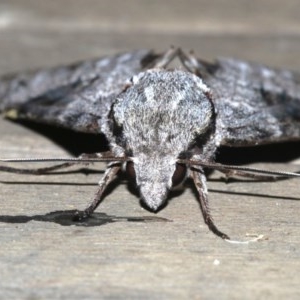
{"points": [[163, 125]]}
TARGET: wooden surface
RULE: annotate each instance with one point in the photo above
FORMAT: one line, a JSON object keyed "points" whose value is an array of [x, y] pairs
{"points": [[126, 252]]}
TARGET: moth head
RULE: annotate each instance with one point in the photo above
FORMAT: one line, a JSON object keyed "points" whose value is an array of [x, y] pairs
{"points": [[153, 178], [160, 117]]}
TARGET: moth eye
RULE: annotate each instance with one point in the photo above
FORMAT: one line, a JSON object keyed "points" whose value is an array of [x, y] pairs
{"points": [[179, 174], [130, 172]]}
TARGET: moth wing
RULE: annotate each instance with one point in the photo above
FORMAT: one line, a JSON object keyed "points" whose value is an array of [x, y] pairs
{"points": [[255, 104], [78, 97]]}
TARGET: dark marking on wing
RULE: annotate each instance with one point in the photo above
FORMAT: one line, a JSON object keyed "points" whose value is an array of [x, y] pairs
{"points": [[77, 96], [255, 104]]}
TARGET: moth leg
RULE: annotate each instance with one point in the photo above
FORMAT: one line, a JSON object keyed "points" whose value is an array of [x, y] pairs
{"points": [[232, 173], [108, 177], [165, 58], [200, 184]]}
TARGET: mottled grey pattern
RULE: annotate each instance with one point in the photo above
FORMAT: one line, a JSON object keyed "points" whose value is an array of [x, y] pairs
{"points": [[77, 97], [255, 104], [161, 115]]}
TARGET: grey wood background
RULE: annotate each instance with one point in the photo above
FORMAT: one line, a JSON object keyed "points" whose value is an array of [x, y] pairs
{"points": [[45, 256]]}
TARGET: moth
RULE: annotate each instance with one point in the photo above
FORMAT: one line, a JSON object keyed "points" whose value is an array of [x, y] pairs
{"points": [[163, 125]]}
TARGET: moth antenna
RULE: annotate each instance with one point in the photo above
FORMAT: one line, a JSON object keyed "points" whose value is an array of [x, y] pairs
{"points": [[165, 58], [66, 162], [63, 159], [246, 170]]}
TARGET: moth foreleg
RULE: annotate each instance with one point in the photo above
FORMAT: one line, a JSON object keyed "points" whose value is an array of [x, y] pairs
{"points": [[200, 184], [108, 177]]}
